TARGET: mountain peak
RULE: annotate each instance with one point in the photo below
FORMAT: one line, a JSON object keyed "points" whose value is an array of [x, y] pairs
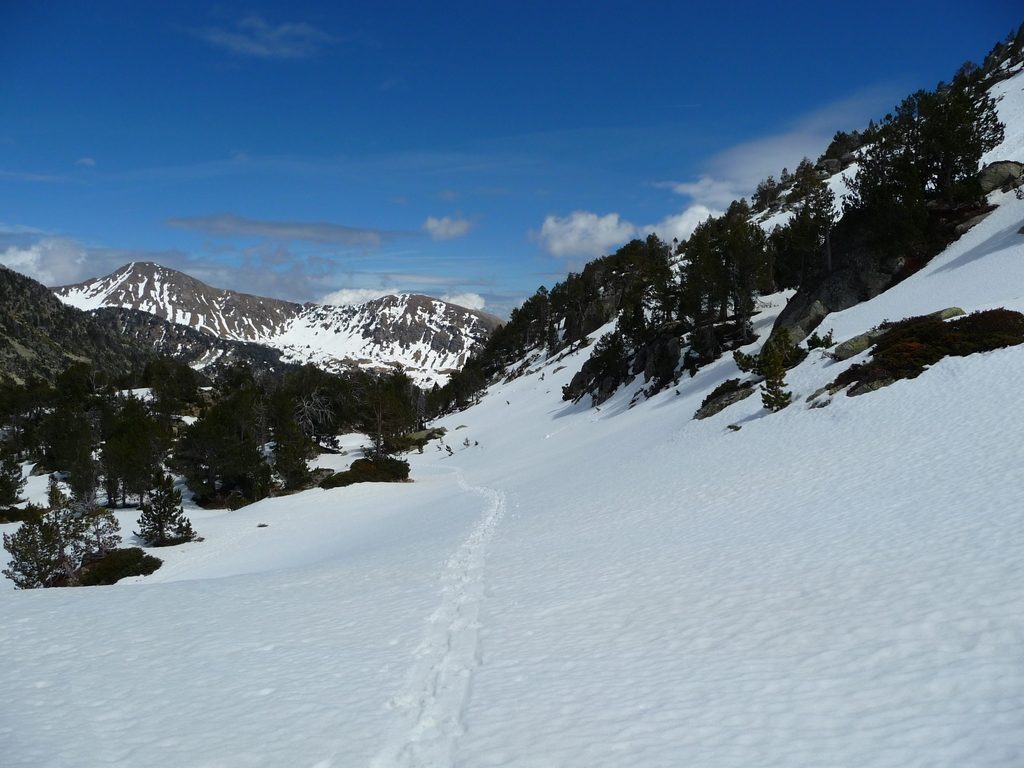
{"points": [[429, 337]]}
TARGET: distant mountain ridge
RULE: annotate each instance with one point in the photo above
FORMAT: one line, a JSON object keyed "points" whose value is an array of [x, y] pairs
{"points": [[427, 337]]}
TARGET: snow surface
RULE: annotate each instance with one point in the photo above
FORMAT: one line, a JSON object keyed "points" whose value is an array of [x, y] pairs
{"points": [[623, 586]]}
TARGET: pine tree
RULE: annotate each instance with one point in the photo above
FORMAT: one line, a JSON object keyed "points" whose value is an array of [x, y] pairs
{"points": [[163, 522], [11, 481], [773, 393], [102, 530], [48, 550]]}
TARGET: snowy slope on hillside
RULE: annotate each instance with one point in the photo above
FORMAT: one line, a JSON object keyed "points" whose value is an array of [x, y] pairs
{"points": [[837, 586], [427, 337]]}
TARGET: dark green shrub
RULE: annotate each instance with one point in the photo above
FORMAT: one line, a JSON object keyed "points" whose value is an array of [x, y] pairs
{"points": [[814, 341], [908, 347], [16, 515], [117, 565], [381, 469], [791, 354]]}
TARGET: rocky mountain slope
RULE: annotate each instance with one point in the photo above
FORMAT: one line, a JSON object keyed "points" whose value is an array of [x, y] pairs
{"points": [[40, 336], [428, 337]]}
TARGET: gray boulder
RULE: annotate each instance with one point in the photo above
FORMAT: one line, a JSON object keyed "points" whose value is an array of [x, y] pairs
{"points": [[856, 345], [971, 223], [1000, 174], [723, 401]]}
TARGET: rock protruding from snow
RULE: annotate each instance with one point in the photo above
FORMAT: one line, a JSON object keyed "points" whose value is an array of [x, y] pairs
{"points": [[1002, 173]]}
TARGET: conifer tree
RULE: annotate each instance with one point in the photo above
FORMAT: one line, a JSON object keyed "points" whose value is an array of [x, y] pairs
{"points": [[103, 531], [47, 550], [163, 522], [773, 393], [11, 481]]}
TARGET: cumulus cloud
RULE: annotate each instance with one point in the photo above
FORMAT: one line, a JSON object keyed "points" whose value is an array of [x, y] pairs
{"points": [[254, 36], [347, 296], [61, 260], [467, 300], [679, 226], [51, 260], [447, 227], [230, 225], [707, 190], [583, 233]]}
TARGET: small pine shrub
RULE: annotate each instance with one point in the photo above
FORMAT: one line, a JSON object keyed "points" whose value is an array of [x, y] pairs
{"points": [[119, 564], [814, 341], [790, 354], [381, 469]]}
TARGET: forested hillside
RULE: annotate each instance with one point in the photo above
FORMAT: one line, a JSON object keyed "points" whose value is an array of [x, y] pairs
{"points": [[908, 186]]}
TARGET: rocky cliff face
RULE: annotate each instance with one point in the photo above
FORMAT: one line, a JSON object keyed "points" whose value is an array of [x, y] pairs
{"points": [[427, 337]]}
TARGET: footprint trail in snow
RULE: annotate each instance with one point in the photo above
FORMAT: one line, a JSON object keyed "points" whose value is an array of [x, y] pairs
{"points": [[438, 689]]}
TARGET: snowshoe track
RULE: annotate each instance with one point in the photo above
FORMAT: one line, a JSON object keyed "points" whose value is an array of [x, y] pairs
{"points": [[439, 683]]}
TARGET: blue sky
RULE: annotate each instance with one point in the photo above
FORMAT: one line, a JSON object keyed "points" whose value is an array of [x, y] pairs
{"points": [[463, 149]]}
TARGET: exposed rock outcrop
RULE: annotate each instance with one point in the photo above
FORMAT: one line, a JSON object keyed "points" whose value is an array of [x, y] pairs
{"points": [[1002, 174], [723, 401]]}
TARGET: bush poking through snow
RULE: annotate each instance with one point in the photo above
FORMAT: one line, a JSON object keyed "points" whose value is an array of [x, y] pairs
{"points": [[380, 469], [791, 354], [908, 347], [814, 341], [119, 564]]}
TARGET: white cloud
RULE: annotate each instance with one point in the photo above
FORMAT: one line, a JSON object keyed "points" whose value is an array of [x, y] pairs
{"points": [[467, 300], [85, 162], [735, 172], [707, 190], [346, 296], [57, 261], [583, 233], [679, 226], [447, 228], [51, 260]]}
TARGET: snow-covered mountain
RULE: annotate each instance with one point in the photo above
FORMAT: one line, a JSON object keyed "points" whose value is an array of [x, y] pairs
{"points": [[427, 337]]}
